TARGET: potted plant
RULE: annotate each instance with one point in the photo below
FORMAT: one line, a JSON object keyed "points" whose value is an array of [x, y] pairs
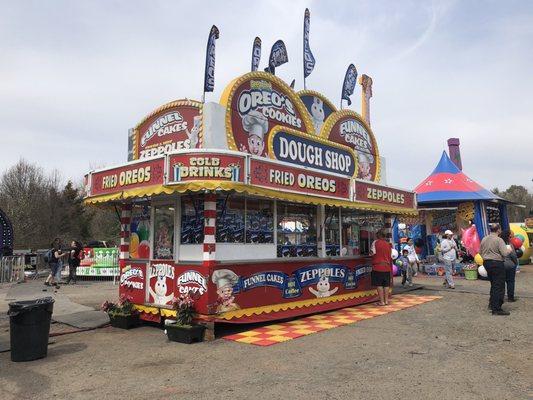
{"points": [[183, 330], [122, 314]]}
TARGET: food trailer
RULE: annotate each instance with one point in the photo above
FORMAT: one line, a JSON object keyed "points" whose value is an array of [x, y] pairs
{"points": [[261, 207]]}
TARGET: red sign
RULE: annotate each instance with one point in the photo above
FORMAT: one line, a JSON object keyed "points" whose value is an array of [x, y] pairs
{"points": [[174, 126], [130, 176], [206, 166], [132, 281], [277, 176], [256, 103], [347, 128], [372, 193]]}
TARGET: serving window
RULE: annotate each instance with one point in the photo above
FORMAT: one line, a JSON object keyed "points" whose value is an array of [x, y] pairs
{"points": [[259, 221], [296, 230], [230, 219], [164, 233], [359, 231], [332, 231], [140, 231], [192, 219]]}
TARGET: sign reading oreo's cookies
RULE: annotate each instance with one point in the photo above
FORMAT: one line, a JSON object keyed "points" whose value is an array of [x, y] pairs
{"points": [[256, 103]]}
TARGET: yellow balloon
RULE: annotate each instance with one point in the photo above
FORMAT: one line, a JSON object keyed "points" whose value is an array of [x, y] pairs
{"points": [[134, 245], [478, 259]]}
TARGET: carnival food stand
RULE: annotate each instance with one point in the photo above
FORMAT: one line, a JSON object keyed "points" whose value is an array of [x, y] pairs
{"points": [[261, 207]]}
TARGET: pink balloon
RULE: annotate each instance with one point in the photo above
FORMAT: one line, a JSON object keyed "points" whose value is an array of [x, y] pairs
{"points": [[394, 270], [471, 240]]}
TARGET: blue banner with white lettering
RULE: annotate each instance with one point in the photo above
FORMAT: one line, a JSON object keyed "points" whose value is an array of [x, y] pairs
{"points": [[309, 59], [307, 152], [350, 79], [278, 56], [209, 76], [256, 54], [319, 275]]}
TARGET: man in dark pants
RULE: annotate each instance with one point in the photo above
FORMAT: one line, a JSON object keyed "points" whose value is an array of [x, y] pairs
{"points": [[493, 251]]}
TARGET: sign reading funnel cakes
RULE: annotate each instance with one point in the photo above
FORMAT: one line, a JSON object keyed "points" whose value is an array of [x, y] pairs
{"points": [[347, 128], [173, 126], [255, 103]]}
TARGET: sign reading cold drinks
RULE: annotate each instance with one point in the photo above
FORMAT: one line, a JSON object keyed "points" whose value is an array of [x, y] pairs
{"points": [[206, 166]]}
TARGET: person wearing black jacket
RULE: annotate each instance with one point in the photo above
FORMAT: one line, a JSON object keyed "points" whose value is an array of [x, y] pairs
{"points": [[74, 259], [510, 262]]}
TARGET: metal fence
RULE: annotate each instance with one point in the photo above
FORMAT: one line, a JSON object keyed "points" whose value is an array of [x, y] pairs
{"points": [[12, 269], [98, 265]]}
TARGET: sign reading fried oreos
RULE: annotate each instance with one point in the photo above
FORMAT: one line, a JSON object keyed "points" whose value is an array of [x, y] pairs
{"points": [[255, 103], [307, 151]]}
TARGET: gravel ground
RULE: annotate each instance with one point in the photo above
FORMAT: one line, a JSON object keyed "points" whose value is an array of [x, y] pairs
{"points": [[451, 348]]}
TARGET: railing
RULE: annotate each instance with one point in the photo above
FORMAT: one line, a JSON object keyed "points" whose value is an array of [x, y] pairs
{"points": [[11, 269]]}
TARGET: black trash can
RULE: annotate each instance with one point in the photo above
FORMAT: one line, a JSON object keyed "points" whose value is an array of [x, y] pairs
{"points": [[29, 328]]}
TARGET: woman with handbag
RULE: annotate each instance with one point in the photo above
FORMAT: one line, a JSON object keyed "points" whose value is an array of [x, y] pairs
{"points": [[510, 262]]}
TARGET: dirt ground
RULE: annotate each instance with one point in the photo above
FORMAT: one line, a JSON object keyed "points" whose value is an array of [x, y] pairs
{"points": [[451, 348]]}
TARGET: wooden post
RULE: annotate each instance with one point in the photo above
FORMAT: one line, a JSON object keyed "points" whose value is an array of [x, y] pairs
{"points": [[366, 94]]}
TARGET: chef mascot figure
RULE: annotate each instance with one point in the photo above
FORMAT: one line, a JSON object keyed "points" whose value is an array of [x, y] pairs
{"points": [[365, 165], [256, 124], [225, 279]]}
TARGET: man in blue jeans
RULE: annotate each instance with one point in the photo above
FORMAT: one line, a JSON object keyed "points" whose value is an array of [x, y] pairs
{"points": [[448, 248], [493, 251]]}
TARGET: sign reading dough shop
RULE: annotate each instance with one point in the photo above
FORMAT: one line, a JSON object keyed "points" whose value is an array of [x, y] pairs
{"points": [[174, 126], [257, 102]]}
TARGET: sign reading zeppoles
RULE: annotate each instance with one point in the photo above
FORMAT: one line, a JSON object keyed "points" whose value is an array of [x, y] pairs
{"points": [[273, 175], [372, 193], [206, 166], [134, 175]]}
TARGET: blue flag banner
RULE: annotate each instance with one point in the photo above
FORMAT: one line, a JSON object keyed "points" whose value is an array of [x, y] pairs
{"points": [[209, 77], [309, 59], [278, 56], [350, 79], [256, 54]]}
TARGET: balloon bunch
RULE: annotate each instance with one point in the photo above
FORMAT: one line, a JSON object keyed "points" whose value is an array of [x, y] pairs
{"points": [[471, 240], [517, 241]]}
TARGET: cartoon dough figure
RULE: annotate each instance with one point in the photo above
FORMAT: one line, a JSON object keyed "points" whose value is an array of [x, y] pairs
{"points": [[323, 288], [225, 279], [256, 124], [317, 113], [365, 162], [160, 294]]}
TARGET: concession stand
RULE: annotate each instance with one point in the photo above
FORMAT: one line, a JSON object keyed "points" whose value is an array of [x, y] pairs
{"points": [[262, 206]]}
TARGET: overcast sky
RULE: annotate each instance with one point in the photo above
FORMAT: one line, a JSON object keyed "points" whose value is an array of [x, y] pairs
{"points": [[75, 75]]}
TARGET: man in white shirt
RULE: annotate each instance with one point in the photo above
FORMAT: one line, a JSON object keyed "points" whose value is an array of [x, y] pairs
{"points": [[448, 249], [412, 257]]}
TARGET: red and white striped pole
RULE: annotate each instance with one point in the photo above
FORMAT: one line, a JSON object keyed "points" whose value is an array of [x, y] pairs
{"points": [[125, 220], [210, 219]]}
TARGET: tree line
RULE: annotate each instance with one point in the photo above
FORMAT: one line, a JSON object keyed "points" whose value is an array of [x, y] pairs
{"points": [[41, 207], [522, 199]]}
